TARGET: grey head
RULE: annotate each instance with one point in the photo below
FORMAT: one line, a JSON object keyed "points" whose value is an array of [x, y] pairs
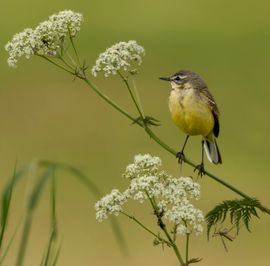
{"points": [[185, 77]]}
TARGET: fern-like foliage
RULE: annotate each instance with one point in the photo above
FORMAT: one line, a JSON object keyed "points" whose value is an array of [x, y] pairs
{"points": [[240, 212]]}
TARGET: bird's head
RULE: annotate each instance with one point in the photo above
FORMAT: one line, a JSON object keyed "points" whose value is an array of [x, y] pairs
{"points": [[184, 79]]}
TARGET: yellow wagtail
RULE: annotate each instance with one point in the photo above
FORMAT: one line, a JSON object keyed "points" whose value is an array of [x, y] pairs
{"points": [[194, 110]]}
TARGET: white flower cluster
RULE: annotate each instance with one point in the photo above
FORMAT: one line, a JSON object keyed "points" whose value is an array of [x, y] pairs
{"points": [[120, 56], [47, 39], [171, 195], [143, 165], [110, 204]]}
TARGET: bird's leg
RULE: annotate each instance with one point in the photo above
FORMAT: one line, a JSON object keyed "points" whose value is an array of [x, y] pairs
{"points": [[180, 155], [200, 167]]}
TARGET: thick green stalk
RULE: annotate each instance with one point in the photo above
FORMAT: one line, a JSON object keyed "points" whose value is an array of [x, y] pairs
{"points": [[164, 145], [175, 248], [164, 229]]}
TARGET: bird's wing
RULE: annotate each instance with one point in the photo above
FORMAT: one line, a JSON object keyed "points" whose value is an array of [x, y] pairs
{"points": [[216, 125], [210, 100]]}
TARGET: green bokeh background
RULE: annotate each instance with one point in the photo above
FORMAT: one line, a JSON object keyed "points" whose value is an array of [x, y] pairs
{"points": [[45, 114]]}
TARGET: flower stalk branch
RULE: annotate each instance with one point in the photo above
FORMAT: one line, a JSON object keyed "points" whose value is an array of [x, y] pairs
{"points": [[147, 229], [170, 199], [164, 229]]}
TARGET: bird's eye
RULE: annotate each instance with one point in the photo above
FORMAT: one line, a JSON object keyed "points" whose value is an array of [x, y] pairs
{"points": [[177, 78]]}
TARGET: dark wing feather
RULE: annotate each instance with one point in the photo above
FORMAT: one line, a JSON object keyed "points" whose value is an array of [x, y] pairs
{"points": [[210, 99], [216, 125]]}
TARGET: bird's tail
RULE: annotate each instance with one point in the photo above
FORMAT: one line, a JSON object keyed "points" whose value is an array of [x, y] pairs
{"points": [[212, 151]]}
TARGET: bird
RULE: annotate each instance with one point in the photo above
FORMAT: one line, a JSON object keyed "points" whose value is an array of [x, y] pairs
{"points": [[195, 112]]}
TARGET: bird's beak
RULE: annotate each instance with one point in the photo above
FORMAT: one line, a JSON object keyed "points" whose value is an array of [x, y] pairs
{"points": [[165, 78]]}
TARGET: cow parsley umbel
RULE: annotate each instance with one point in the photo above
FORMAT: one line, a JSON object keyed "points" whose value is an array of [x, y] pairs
{"points": [[170, 198], [123, 56], [170, 195], [48, 39]]}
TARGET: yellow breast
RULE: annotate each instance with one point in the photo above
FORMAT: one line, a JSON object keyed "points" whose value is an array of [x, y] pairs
{"points": [[190, 112]]}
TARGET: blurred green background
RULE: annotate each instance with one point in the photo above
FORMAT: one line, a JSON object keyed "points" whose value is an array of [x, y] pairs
{"points": [[45, 114]]}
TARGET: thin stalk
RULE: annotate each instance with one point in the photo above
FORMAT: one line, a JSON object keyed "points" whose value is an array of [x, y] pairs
{"points": [[109, 101], [6, 201], [66, 63], [24, 240], [187, 246], [175, 248], [74, 48], [132, 95], [172, 151], [94, 190], [164, 229], [51, 61], [137, 95], [145, 228], [31, 205], [174, 232], [4, 254], [71, 59]]}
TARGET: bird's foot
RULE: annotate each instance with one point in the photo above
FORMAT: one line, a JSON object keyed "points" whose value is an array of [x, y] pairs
{"points": [[181, 157], [200, 169]]}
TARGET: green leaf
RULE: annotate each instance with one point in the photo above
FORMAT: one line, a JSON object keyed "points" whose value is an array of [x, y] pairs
{"points": [[194, 260], [239, 211], [148, 120]]}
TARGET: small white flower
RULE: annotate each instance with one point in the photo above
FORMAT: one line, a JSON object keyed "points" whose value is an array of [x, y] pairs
{"points": [[21, 44], [143, 187], [110, 204], [47, 39], [171, 195], [185, 215], [143, 165], [67, 21], [121, 56]]}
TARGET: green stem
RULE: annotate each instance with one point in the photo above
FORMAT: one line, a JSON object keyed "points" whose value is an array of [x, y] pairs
{"points": [[174, 232], [172, 151], [69, 66], [24, 240], [164, 229], [175, 248], [145, 228], [109, 101], [74, 48], [137, 95], [132, 95], [187, 245], [52, 62]]}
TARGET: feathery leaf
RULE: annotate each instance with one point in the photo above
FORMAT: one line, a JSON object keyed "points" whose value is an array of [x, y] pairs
{"points": [[239, 211]]}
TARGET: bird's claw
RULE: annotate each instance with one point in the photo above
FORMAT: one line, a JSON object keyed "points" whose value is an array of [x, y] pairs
{"points": [[181, 157], [201, 170]]}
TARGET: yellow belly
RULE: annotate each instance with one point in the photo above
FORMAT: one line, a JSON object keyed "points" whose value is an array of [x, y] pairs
{"points": [[190, 113]]}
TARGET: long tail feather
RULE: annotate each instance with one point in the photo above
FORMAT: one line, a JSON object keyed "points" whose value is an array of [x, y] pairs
{"points": [[212, 151]]}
